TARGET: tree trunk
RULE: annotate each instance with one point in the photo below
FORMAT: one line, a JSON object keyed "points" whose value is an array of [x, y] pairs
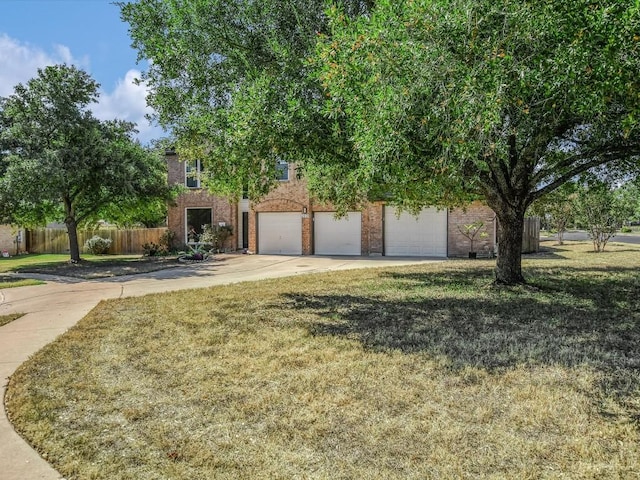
{"points": [[509, 264], [72, 231]]}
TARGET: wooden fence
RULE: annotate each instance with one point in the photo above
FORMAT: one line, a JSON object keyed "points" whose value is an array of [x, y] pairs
{"points": [[55, 240], [531, 235]]}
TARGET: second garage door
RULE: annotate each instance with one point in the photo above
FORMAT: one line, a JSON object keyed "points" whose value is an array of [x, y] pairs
{"points": [[280, 233], [407, 235], [340, 236]]}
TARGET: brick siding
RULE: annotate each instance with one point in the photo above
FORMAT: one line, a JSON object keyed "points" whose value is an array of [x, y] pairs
{"points": [[221, 209], [293, 196], [457, 243]]}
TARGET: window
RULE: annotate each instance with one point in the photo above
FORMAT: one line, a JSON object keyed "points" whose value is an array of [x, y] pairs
{"points": [[193, 174], [282, 171], [197, 219]]}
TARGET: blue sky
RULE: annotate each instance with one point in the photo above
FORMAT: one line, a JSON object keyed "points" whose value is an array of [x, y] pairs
{"points": [[85, 33]]}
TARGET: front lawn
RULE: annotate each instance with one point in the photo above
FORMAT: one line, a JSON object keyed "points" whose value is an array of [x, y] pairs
{"points": [[397, 373]]}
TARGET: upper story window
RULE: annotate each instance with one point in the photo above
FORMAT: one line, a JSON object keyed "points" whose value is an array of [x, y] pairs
{"points": [[193, 174], [282, 171]]}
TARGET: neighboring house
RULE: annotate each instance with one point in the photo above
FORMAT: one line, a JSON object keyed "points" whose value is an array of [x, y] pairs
{"points": [[12, 239], [288, 222]]}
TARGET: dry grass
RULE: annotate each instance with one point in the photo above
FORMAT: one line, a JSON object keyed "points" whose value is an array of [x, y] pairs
{"points": [[416, 372], [4, 319]]}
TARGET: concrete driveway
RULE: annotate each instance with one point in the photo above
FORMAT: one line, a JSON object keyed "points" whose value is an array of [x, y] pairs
{"points": [[53, 308]]}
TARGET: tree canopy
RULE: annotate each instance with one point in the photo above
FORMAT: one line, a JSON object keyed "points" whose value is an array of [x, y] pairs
{"points": [[61, 163], [504, 100], [418, 102], [233, 81]]}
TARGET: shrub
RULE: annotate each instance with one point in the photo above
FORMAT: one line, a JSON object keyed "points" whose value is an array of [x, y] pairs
{"points": [[167, 239], [216, 236], [153, 249], [98, 245]]}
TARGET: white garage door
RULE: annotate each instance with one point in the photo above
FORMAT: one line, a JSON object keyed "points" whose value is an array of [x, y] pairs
{"points": [[280, 233], [425, 235], [340, 236]]}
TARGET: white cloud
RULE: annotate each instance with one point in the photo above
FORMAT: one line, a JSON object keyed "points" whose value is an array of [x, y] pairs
{"points": [[63, 53], [20, 62], [128, 102]]}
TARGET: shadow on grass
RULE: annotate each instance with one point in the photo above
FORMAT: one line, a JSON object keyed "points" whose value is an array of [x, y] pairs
{"points": [[545, 253], [579, 318]]}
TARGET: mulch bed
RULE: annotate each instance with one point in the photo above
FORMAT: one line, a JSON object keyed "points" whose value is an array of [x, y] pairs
{"points": [[106, 268]]}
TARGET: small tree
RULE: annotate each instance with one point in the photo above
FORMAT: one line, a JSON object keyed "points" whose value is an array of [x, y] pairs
{"points": [[62, 163], [558, 209], [601, 212], [471, 231]]}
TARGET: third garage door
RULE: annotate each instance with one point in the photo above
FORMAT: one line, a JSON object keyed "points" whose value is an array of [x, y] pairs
{"points": [[340, 236], [407, 235]]}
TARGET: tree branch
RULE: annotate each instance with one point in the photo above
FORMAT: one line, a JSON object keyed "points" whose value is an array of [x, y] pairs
{"points": [[601, 158]]}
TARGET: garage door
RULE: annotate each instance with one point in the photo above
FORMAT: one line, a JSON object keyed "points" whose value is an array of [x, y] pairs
{"points": [[280, 233], [340, 236], [407, 235]]}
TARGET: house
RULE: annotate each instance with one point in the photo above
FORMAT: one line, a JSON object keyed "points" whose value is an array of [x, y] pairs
{"points": [[12, 240], [287, 221]]}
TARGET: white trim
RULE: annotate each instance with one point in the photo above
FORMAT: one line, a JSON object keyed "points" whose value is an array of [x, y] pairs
{"points": [[243, 206]]}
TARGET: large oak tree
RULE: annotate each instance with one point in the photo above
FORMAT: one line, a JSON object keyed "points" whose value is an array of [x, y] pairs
{"points": [[418, 102], [61, 163], [506, 100]]}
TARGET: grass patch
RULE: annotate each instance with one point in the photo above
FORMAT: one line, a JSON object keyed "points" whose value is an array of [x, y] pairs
{"points": [[92, 266], [12, 264], [7, 281], [4, 319], [412, 372]]}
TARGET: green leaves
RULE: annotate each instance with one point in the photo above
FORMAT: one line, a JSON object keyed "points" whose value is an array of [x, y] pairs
{"points": [[232, 79], [447, 99]]}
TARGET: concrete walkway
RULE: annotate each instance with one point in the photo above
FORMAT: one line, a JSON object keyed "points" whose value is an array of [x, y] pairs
{"points": [[53, 308]]}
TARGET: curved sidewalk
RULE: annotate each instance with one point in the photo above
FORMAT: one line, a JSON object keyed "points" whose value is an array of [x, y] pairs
{"points": [[53, 308]]}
